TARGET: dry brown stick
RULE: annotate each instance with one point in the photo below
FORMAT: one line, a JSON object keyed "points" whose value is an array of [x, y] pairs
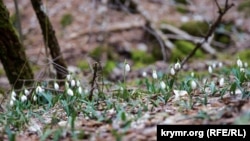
{"points": [[93, 81], [222, 12]]}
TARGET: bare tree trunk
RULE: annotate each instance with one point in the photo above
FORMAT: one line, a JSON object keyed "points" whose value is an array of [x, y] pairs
{"points": [[12, 53], [50, 39]]}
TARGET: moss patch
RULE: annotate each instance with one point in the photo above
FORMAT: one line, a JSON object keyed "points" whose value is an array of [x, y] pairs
{"points": [[109, 66], [182, 9], [243, 55], [83, 65], [181, 2], [182, 49], [244, 7], [66, 20], [195, 28], [142, 56]]}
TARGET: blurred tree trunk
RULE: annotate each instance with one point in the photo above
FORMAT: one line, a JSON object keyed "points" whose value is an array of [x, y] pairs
{"points": [[50, 39], [12, 53]]}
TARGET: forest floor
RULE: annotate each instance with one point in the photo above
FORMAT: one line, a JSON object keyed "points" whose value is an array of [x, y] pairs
{"points": [[130, 110]]}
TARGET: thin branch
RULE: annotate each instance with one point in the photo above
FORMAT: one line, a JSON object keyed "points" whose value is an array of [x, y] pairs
{"points": [[211, 30], [93, 82]]}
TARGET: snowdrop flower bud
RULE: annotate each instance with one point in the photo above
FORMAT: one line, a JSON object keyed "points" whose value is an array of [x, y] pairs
{"points": [[66, 85], [220, 64], [193, 84], [239, 63], [214, 65], [39, 89], [26, 92], [13, 93], [242, 70], [172, 71], [127, 67], [210, 70], [163, 85], [70, 92], [245, 64], [34, 98], [13, 98], [72, 83], [11, 103], [154, 74], [79, 90], [68, 77], [192, 74], [78, 83], [144, 74], [56, 86], [221, 82], [23, 98], [177, 66]]}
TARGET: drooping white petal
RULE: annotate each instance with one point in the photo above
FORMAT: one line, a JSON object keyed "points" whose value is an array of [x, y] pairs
{"points": [[177, 66], [23, 98], [193, 84], [221, 82], [56, 86], [210, 70], [163, 85], [26, 92], [154, 74], [239, 63], [172, 71], [72, 83], [127, 67], [144, 74], [70, 92]]}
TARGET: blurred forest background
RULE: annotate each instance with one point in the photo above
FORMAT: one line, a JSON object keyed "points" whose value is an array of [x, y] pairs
{"points": [[110, 31]]}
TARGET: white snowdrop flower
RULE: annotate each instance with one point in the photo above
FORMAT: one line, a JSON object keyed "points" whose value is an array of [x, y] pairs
{"points": [[192, 74], [163, 85], [39, 89], [245, 64], [214, 65], [220, 64], [239, 63], [34, 98], [56, 86], [221, 82], [193, 84], [72, 83], [78, 83], [204, 81], [154, 74], [23, 98], [70, 92], [11, 103], [26, 92], [68, 77], [210, 70], [144, 74], [111, 111], [172, 71], [177, 66], [79, 89], [86, 91], [13, 93], [121, 88], [127, 67], [242, 70], [13, 98]]}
